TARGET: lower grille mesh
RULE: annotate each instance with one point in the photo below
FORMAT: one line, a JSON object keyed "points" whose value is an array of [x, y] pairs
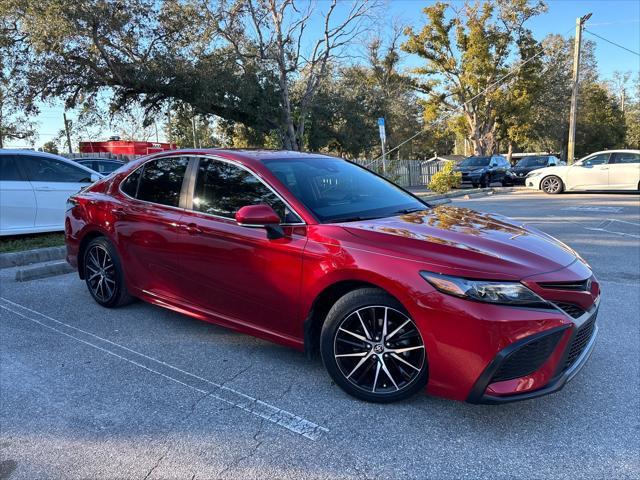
{"points": [[571, 309], [528, 358], [580, 341]]}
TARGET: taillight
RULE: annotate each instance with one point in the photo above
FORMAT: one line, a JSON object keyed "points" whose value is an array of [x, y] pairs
{"points": [[72, 202]]}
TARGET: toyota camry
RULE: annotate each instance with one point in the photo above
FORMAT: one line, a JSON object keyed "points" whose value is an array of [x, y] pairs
{"points": [[324, 256]]}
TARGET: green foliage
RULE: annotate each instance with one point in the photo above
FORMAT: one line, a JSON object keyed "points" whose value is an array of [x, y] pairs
{"points": [[467, 54], [601, 123], [51, 147], [446, 179]]}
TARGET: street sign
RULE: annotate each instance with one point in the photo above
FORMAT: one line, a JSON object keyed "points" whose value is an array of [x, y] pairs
{"points": [[383, 134]]}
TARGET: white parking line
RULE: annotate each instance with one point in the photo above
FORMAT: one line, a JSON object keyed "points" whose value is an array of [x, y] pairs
{"points": [[607, 223], [594, 208], [233, 397]]}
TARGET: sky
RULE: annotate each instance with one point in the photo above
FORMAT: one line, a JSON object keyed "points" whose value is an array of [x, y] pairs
{"points": [[615, 20]]}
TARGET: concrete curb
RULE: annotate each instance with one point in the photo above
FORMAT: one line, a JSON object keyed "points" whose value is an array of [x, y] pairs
{"points": [[468, 193], [27, 257], [43, 271]]}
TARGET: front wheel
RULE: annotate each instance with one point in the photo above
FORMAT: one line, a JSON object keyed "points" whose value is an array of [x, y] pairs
{"points": [[552, 185], [372, 349]]}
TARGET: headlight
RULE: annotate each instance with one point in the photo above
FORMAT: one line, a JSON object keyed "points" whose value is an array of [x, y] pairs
{"points": [[504, 293]]}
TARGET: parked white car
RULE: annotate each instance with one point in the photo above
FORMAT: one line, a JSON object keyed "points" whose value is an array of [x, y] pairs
{"points": [[606, 170], [34, 188]]}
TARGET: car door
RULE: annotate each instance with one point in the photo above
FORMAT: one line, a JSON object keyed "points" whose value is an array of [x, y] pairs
{"points": [[17, 198], [624, 171], [233, 271], [54, 181], [590, 173], [146, 218]]}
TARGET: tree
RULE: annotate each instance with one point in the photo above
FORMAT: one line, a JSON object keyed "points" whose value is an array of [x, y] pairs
{"points": [[15, 118], [50, 147], [277, 41], [600, 124], [137, 50], [632, 118], [466, 57], [181, 123]]}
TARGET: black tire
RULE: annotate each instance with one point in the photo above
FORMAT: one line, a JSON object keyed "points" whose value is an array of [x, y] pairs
{"points": [[552, 185], [103, 274], [485, 181], [386, 369]]}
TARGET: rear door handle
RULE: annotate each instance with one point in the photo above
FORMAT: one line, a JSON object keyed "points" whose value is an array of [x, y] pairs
{"points": [[191, 228], [44, 189]]}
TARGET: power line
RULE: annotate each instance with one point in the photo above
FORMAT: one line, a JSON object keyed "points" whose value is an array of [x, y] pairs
{"points": [[612, 43], [486, 90]]}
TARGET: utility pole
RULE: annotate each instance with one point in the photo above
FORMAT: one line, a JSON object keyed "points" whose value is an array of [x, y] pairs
{"points": [[66, 129], [193, 126], [580, 21]]}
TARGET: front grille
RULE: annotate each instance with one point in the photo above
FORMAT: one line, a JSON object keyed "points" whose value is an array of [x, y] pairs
{"points": [[581, 285], [571, 309], [528, 358], [582, 337]]}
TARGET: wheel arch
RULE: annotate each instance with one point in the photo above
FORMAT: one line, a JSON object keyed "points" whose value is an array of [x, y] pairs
{"points": [[323, 302], [85, 240], [552, 174]]}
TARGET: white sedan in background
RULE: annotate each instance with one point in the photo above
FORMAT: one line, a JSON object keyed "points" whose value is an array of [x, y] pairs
{"points": [[606, 170], [34, 188]]}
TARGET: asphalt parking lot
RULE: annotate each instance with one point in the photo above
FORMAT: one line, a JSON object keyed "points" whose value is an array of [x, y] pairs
{"points": [[141, 392]]}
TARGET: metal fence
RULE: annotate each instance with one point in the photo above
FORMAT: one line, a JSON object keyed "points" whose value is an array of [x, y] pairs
{"points": [[105, 155], [406, 173]]}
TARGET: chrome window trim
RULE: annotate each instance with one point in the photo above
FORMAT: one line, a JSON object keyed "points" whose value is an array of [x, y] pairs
{"points": [[191, 173]]}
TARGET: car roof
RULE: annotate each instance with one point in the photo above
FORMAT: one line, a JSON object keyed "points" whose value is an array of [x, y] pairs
{"points": [[250, 154], [621, 150], [4, 151]]}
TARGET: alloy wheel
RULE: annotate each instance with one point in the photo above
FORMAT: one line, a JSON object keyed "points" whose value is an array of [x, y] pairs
{"points": [[379, 350], [551, 185], [100, 273]]}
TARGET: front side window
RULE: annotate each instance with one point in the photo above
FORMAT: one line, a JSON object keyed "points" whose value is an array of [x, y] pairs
{"points": [[626, 157], [159, 182], [223, 188], [42, 169], [599, 159], [335, 190]]}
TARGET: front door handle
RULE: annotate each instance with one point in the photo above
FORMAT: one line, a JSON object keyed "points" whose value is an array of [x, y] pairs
{"points": [[191, 228]]}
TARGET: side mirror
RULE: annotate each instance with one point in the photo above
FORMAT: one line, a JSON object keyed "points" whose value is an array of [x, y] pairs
{"points": [[95, 177], [260, 216]]}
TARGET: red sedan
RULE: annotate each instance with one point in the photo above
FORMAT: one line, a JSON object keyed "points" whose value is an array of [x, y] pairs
{"points": [[319, 254]]}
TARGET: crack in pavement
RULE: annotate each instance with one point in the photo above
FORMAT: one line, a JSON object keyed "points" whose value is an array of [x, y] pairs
{"points": [[191, 412], [252, 451]]}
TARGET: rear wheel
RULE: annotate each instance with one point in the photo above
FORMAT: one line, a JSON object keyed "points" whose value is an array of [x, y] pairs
{"points": [[372, 349], [103, 274], [552, 185]]}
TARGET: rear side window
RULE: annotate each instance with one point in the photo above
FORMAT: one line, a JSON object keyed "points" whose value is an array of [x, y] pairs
{"points": [[626, 157], [9, 170], [43, 169], [161, 181]]}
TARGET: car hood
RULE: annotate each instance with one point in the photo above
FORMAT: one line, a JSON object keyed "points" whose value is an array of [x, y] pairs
{"points": [[557, 170], [469, 169], [460, 241]]}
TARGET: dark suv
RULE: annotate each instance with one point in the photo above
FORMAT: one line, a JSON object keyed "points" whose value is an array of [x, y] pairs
{"points": [[481, 171], [528, 164]]}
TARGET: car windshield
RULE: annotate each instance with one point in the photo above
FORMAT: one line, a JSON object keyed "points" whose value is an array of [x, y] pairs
{"points": [[475, 162], [335, 190], [532, 162]]}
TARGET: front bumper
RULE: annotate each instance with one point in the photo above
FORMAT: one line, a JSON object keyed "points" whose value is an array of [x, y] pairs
{"points": [[572, 353], [533, 182]]}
